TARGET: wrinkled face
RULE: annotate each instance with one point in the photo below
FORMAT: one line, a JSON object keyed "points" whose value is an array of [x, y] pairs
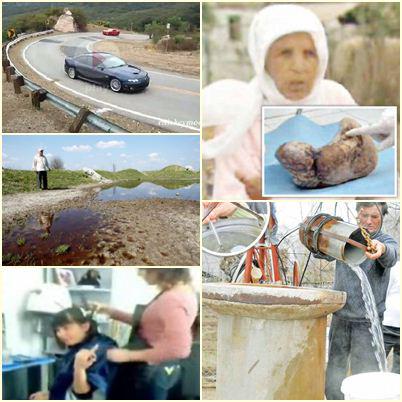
{"points": [[292, 62], [72, 333], [370, 218]]}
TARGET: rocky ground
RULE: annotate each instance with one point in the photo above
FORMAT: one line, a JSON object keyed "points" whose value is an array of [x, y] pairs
{"points": [[149, 232], [18, 116], [162, 232]]}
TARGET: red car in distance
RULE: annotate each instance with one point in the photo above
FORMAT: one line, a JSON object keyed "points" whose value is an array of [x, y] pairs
{"points": [[111, 32]]}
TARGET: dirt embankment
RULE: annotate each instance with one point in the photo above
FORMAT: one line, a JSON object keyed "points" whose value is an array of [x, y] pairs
{"points": [[18, 116], [146, 55]]}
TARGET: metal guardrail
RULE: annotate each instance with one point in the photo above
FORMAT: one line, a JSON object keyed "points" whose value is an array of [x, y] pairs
{"points": [[68, 107]]}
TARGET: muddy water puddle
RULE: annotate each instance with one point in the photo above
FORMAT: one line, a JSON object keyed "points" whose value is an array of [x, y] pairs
{"points": [[131, 190], [62, 238], [136, 232]]}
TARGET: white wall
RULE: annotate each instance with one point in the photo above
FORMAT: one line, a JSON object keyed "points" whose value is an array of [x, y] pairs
{"points": [[129, 289], [16, 284]]}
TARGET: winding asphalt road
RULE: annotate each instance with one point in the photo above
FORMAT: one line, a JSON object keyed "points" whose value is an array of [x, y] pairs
{"points": [[171, 101]]}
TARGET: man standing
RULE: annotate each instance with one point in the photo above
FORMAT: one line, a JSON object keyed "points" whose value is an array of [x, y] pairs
{"points": [[349, 338], [41, 166]]}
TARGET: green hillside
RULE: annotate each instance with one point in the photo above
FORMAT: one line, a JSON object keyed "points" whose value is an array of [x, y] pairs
{"points": [[127, 174], [174, 171], [19, 181], [132, 16]]}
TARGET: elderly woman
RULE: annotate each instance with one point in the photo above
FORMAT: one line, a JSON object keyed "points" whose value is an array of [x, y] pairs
{"points": [[289, 53]]}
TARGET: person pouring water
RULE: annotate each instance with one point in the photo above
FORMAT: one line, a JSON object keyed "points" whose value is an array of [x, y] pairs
{"points": [[350, 339]]}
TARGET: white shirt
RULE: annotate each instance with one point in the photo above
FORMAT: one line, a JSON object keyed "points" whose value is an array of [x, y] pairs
{"points": [[40, 163], [393, 299]]}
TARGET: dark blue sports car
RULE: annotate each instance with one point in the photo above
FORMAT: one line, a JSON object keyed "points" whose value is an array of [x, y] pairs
{"points": [[108, 70]]}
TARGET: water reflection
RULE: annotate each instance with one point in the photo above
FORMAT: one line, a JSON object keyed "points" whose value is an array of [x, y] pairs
{"points": [[46, 221], [37, 242], [130, 190]]}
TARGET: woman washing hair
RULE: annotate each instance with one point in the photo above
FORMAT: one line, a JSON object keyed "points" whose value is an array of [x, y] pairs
{"points": [[288, 49], [161, 336], [85, 371]]}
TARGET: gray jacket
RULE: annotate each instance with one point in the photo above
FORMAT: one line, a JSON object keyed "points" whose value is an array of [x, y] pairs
{"points": [[377, 272]]}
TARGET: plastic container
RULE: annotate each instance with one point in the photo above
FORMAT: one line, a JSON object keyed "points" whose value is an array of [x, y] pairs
{"points": [[372, 386]]}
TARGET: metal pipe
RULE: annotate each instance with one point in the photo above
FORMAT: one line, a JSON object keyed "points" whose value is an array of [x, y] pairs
{"points": [[258, 216], [105, 125], [345, 239]]}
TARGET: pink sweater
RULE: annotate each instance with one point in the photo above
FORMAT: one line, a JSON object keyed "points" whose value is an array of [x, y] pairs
{"points": [[166, 326], [245, 161]]}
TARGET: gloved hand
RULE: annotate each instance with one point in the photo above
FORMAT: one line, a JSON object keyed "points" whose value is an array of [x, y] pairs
{"points": [[382, 132], [222, 209]]}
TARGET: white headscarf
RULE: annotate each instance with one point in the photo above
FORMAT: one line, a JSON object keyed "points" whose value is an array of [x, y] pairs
{"points": [[268, 25]]}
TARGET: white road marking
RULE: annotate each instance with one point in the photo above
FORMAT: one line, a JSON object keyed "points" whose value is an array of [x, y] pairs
{"points": [[30, 65], [103, 110], [173, 75], [163, 122]]}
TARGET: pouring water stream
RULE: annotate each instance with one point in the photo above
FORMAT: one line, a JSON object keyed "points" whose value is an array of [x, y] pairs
{"points": [[372, 316]]}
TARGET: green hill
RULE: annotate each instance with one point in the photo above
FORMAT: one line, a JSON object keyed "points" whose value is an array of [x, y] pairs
{"points": [[174, 172], [127, 174], [133, 16]]}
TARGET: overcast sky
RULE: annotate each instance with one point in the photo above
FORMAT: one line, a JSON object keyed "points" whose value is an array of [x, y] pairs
{"points": [[142, 152]]}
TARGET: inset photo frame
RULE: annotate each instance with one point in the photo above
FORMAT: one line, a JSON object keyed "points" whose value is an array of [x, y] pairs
{"points": [[329, 151]]}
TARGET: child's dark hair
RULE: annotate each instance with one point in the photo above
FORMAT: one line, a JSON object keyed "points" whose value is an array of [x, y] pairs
{"points": [[73, 315]]}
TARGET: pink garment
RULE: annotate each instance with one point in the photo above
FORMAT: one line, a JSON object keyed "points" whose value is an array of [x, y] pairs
{"points": [[246, 161], [166, 326]]}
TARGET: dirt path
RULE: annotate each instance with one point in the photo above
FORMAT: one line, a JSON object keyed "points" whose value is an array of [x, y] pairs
{"points": [[21, 205]]}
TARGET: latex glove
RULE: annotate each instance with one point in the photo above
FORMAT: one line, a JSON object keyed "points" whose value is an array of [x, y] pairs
{"points": [[382, 131]]}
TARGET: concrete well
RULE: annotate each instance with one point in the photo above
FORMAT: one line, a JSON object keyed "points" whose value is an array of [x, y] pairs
{"points": [[271, 339]]}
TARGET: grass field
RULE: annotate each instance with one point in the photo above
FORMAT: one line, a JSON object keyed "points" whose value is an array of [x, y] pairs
{"points": [[20, 181], [172, 172], [127, 174]]}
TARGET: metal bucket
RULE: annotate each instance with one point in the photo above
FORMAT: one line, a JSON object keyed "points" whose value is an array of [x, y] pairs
{"points": [[236, 236], [312, 234]]}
